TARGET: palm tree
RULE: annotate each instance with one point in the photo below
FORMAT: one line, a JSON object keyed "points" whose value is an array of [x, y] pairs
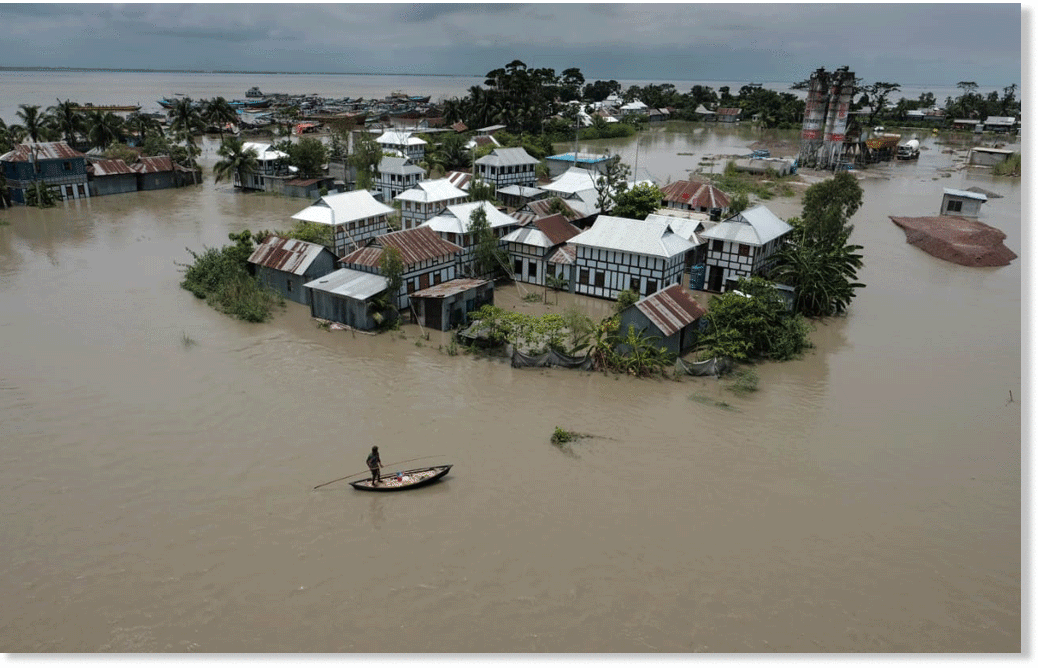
{"points": [[65, 118], [104, 128], [237, 161], [219, 112], [9, 136], [143, 126], [33, 122]]}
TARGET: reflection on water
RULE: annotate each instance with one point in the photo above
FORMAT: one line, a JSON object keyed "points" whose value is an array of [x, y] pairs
{"points": [[160, 495]]}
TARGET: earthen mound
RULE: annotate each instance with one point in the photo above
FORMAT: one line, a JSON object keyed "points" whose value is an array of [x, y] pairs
{"points": [[955, 239]]}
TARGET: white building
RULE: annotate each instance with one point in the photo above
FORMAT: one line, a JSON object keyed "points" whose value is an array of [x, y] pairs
{"points": [[395, 175], [618, 254], [354, 216], [531, 248], [427, 199], [273, 166], [408, 145], [964, 203], [743, 245], [453, 225], [507, 166]]}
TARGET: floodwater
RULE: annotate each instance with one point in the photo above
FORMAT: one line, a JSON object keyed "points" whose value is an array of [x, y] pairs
{"points": [[158, 460]]}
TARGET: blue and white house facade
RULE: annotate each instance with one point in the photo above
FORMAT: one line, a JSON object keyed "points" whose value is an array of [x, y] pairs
{"points": [[742, 246], [56, 165], [395, 175], [618, 254]]}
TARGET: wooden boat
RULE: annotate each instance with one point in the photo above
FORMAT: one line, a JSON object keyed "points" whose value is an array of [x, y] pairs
{"points": [[399, 481]]}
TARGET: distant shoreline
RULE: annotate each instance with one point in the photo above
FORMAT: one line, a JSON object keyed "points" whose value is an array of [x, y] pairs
{"points": [[4, 68]]}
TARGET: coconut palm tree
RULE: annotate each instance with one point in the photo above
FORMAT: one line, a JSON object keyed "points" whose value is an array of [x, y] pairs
{"points": [[33, 122], [9, 136], [219, 112], [143, 126], [104, 128], [236, 161], [65, 118]]}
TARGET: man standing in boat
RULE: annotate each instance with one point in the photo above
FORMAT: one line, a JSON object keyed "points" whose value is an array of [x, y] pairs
{"points": [[375, 463]]}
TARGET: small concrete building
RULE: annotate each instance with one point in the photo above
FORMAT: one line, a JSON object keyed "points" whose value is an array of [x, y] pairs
{"points": [[671, 315], [344, 296], [287, 265], [964, 203], [447, 305], [983, 156], [272, 169]]}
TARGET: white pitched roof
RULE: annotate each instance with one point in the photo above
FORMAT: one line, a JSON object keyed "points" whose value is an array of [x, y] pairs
{"points": [[391, 165], [503, 157], [633, 236], [529, 235], [436, 190], [573, 180], [350, 283], [342, 208], [969, 194], [456, 218], [399, 139], [756, 226], [264, 151], [686, 228]]}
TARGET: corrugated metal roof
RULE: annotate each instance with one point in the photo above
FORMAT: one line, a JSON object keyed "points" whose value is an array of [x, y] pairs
{"points": [[416, 245], [557, 228], [966, 193], [695, 193], [400, 139], [573, 180], [520, 191], [459, 179], [588, 158], [503, 157], [391, 165], [448, 288], [564, 255], [52, 150], [342, 208], [542, 208], [109, 167], [154, 164], [671, 309], [289, 255], [263, 151], [756, 226], [633, 236], [686, 228], [350, 283], [436, 190], [455, 218], [530, 236]]}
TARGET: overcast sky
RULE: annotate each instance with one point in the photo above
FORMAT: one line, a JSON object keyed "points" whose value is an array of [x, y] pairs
{"points": [[902, 43]]}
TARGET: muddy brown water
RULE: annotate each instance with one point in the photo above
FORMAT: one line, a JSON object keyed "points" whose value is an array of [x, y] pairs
{"points": [[158, 461]]}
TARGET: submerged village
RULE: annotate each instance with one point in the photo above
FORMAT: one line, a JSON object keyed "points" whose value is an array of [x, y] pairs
{"points": [[413, 211]]}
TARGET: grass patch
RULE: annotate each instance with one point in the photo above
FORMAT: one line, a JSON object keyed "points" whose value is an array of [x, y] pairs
{"points": [[186, 340], [533, 297], [4, 222], [763, 186], [744, 381], [1011, 167]]}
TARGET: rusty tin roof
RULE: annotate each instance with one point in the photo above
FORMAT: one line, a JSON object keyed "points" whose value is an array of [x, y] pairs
{"points": [[416, 245], [289, 255], [448, 288], [671, 309], [695, 193]]}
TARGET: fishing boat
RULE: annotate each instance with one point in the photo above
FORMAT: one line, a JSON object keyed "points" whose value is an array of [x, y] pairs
{"points": [[402, 480], [254, 92]]}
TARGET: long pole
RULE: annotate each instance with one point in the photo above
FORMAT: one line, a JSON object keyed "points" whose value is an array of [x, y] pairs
{"points": [[366, 470]]}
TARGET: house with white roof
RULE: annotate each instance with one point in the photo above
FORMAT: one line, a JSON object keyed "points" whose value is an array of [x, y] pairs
{"points": [[686, 227], [272, 168], [395, 175], [345, 296], [409, 146], [532, 247], [618, 254], [355, 217], [507, 166], [743, 245], [453, 225], [425, 200]]}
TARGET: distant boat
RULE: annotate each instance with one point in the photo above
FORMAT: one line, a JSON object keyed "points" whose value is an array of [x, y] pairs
{"points": [[108, 107], [254, 92]]}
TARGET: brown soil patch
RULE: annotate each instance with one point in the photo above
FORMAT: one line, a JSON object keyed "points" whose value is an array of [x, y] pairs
{"points": [[956, 239]]}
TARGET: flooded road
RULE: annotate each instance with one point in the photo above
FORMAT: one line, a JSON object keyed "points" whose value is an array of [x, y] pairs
{"points": [[158, 460]]}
